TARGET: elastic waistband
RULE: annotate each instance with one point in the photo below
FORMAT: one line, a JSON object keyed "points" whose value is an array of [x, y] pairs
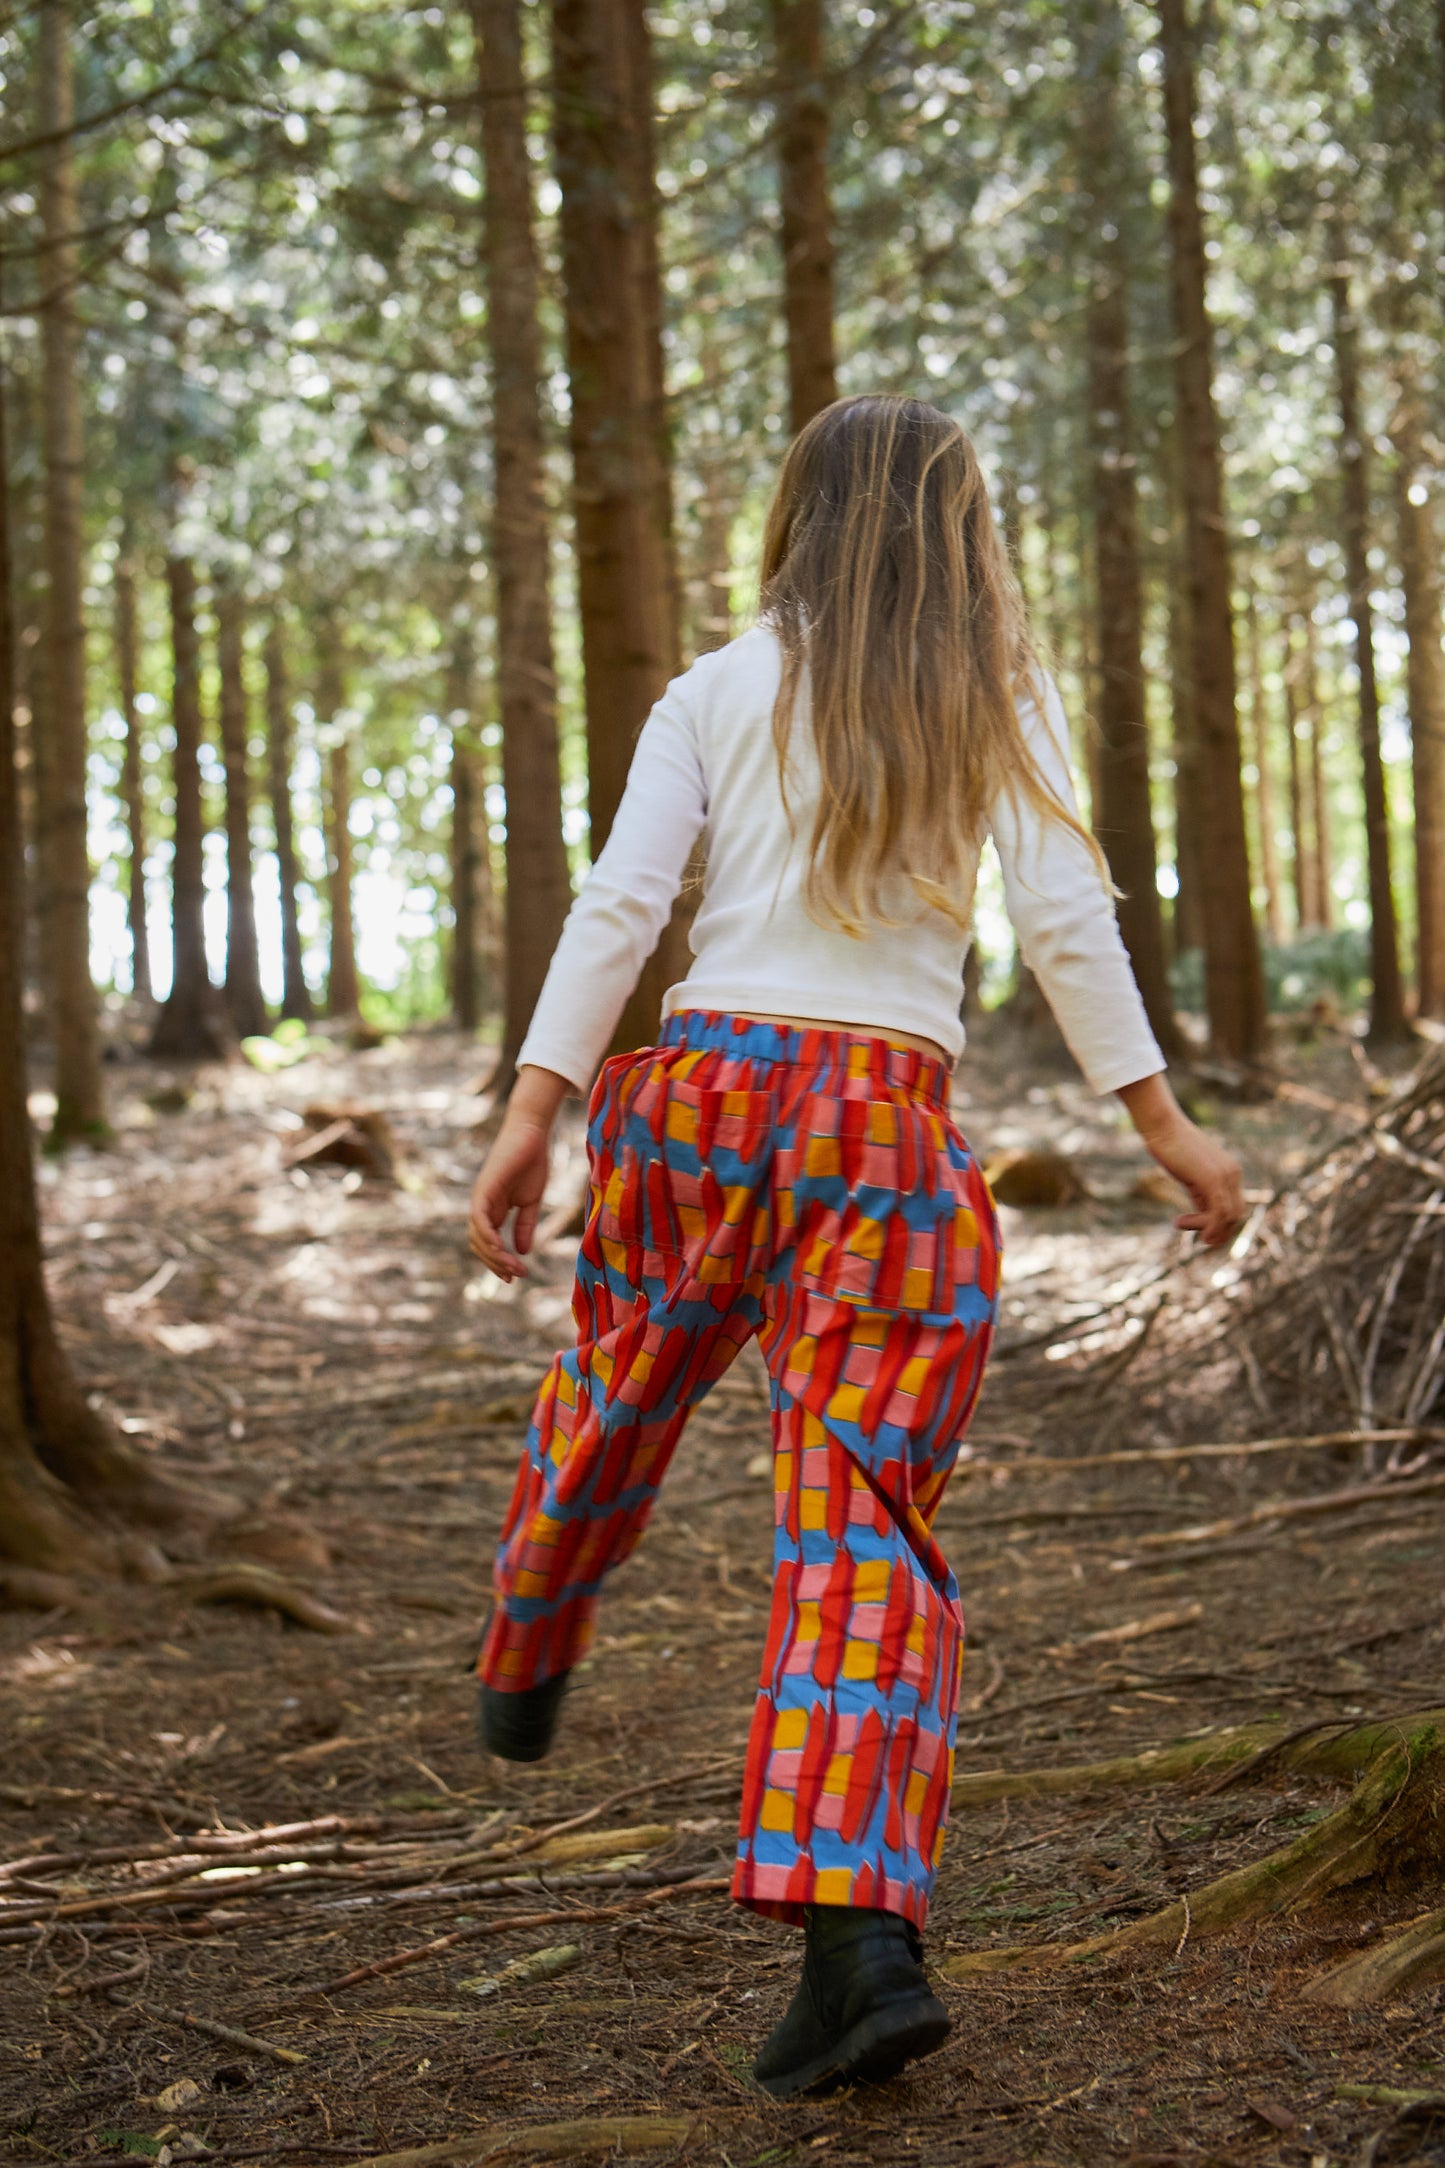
{"points": [[835, 1056]]}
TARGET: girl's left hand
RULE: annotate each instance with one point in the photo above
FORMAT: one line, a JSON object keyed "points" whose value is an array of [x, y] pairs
{"points": [[513, 1178]]}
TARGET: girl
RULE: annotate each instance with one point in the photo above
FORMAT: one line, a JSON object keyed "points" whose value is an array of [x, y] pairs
{"points": [[783, 1163]]}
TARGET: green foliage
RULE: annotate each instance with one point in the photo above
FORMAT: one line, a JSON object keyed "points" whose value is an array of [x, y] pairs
{"points": [[1314, 967]]}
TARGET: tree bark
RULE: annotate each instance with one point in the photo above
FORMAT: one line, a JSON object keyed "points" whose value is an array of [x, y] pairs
{"points": [[626, 584], [539, 887], [61, 776], [1233, 974], [470, 974], [244, 998], [1302, 858], [132, 790], [295, 993], [192, 1023], [1123, 813], [343, 992], [51, 1439], [1264, 785], [1323, 914], [806, 214], [1425, 685], [1188, 920], [1387, 1023], [712, 584]]}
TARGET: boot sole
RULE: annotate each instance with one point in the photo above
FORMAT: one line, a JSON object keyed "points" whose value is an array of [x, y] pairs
{"points": [[874, 2050]]}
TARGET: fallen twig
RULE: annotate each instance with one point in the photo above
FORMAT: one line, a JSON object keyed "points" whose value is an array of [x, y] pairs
{"points": [[545, 2141], [1289, 1509], [231, 2035], [1130, 1456], [703, 1886]]}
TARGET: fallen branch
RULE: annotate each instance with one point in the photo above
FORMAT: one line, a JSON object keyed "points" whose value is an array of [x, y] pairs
{"points": [[1134, 1629], [230, 2035], [380, 1967], [546, 2141], [1054, 1463], [1290, 1509]]}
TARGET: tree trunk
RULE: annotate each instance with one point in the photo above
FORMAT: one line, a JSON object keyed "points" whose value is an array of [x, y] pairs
{"points": [[710, 599], [1420, 577], [132, 790], [1387, 999], [295, 994], [712, 585], [470, 975], [1188, 927], [806, 214], [1302, 861], [1123, 814], [53, 1444], [244, 999], [626, 584], [1323, 914], [1264, 785], [192, 1023], [343, 993], [1233, 974], [61, 776], [538, 883]]}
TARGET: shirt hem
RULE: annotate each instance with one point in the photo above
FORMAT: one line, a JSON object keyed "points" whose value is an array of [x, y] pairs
{"points": [[873, 1016]]}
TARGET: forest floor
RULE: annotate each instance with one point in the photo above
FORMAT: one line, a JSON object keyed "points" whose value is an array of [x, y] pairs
{"points": [[324, 1345]]}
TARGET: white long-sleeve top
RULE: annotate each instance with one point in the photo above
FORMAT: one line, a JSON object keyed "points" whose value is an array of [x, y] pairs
{"points": [[705, 764]]}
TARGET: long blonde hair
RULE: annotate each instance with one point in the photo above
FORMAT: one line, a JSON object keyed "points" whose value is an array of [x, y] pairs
{"points": [[885, 579]]}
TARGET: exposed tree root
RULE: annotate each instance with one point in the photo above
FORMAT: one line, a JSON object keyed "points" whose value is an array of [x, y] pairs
{"points": [[1392, 1826], [245, 1583], [1322, 1750], [1397, 1967], [30, 1588]]}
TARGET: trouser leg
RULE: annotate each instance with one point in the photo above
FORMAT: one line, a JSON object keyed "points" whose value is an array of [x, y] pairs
{"points": [[659, 1317], [602, 1434], [851, 1749]]}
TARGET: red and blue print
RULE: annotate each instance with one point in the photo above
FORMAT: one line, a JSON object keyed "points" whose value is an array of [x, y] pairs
{"points": [[808, 1187]]}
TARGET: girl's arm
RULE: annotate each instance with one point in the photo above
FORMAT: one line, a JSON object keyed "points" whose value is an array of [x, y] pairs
{"points": [[1068, 936], [626, 899], [1063, 915]]}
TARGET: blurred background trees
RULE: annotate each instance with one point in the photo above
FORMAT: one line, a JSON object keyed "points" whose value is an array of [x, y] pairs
{"points": [[395, 393]]}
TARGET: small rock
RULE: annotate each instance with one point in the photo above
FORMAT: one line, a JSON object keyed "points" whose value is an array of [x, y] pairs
{"points": [[183, 2094]]}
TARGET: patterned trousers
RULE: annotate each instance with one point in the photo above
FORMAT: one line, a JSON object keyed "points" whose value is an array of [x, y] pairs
{"points": [[809, 1187]]}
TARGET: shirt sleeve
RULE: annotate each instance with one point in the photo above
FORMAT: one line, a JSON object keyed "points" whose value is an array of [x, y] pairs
{"points": [[1064, 917], [626, 899]]}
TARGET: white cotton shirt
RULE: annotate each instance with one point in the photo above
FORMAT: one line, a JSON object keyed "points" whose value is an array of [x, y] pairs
{"points": [[705, 766]]}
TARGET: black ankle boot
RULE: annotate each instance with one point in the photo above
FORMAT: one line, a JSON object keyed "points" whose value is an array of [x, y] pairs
{"points": [[863, 2009], [519, 1726]]}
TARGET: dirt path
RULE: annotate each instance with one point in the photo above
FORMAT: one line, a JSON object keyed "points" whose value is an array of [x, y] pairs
{"points": [[325, 1345]]}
